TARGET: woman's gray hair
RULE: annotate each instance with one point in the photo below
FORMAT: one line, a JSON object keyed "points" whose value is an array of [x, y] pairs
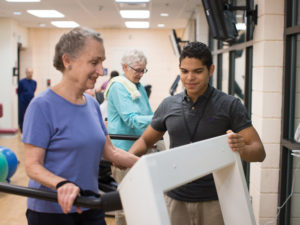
{"points": [[72, 43], [134, 56]]}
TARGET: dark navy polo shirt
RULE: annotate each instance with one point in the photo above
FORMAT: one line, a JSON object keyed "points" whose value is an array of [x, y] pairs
{"points": [[217, 112]]}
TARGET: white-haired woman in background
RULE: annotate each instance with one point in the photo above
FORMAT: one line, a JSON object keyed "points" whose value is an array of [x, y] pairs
{"points": [[128, 109]]}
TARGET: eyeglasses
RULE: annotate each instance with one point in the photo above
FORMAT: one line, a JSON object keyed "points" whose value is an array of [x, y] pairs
{"points": [[139, 71]]}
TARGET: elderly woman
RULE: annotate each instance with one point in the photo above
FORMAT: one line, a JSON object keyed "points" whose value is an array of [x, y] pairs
{"points": [[65, 137], [128, 108]]}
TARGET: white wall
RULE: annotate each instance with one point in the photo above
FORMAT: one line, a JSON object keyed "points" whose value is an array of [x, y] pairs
{"points": [[201, 25], [11, 34], [162, 63], [266, 110]]}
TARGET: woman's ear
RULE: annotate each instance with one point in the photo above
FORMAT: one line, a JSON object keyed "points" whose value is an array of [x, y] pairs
{"points": [[66, 59], [125, 67]]}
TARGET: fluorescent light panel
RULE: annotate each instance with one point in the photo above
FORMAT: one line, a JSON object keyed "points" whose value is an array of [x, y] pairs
{"points": [[136, 24], [160, 25], [135, 14], [46, 13], [65, 24], [23, 0], [132, 1], [164, 14]]}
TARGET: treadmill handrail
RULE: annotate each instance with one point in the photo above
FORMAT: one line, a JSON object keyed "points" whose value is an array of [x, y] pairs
{"points": [[124, 137], [108, 202]]}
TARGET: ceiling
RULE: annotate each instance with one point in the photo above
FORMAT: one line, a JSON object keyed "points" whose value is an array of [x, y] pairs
{"points": [[101, 13]]}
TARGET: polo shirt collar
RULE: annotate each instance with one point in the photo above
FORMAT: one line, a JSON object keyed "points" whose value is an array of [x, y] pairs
{"points": [[206, 94]]}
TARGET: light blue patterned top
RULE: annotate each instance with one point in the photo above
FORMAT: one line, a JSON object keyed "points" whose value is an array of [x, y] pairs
{"points": [[125, 115]]}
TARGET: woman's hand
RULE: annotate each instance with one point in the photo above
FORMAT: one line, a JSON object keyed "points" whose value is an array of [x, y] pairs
{"points": [[66, 195], [119, 166], [119, 158]]}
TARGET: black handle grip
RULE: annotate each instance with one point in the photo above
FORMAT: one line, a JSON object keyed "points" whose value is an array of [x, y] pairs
{"points": [[124, 137], [108, 202]]}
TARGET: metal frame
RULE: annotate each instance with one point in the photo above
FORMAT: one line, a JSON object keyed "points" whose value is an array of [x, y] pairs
{"points": [[248, 46], [231, 77], [291, 31], [108, 201]]}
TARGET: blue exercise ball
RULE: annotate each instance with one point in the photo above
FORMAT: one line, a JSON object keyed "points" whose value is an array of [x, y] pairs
{"points": [[3, 167], [12, 161]]}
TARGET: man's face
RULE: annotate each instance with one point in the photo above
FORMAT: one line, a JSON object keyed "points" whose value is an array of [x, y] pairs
{"points": [[29, 73], [194, 76]]}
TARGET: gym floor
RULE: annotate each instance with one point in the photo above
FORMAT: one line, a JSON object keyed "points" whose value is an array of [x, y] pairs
{"points": [[13, 207]]}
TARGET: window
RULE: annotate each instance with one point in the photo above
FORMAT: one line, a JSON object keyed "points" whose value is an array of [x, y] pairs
{"points": [[290, 165]]}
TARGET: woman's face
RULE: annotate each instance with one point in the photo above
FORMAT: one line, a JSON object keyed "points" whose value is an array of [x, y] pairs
{"points": [[87, 66], [134, 72]]}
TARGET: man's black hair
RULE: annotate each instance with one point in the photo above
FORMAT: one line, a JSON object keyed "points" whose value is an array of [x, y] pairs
{"points": [[199, 51]]}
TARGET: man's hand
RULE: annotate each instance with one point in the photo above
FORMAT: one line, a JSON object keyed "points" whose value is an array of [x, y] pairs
{"points": [[236, 142]]}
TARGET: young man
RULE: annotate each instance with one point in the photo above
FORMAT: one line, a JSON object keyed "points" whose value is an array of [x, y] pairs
{"points": [[199, 113]]}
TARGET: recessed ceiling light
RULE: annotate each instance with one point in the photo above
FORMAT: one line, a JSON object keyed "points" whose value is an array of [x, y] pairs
{"points": [[42, 25], [160, 25], [23, 0], [132, 1], [136, 24], [46, 13], [135, 14], [17, 13], [65, 24], [164, 14]]}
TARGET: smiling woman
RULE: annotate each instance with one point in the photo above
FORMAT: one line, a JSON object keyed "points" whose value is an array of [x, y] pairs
{"points": [[65, 137], [79, 56]]}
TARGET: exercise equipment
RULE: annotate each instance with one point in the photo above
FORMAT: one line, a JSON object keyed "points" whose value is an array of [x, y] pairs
{"points": [[3, 167], [124, 137], [107, 202], [106, 182], [11, 159], [142, 189]]}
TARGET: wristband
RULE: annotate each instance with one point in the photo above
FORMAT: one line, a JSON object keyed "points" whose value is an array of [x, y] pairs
{"points": [[81, 192], [63, 183]]}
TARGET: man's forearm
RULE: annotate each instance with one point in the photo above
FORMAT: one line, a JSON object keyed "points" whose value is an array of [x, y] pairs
{"points": [[253, 153], [139, 148]]}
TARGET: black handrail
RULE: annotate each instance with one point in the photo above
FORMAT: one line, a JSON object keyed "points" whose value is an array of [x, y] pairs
{"points": [[124, 137], [107, 202]]}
